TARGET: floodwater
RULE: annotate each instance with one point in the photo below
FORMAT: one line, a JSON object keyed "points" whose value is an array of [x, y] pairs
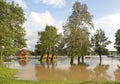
{"points": [[31, 69]]}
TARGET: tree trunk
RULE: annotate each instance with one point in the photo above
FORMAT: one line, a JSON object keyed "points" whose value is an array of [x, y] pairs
{"points": [[79, 59], [71, 60], [41, 57], [100, 59], [82, 59]]}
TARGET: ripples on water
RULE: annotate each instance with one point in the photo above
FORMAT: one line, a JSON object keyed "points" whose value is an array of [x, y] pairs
{"points": [[31, 69]]}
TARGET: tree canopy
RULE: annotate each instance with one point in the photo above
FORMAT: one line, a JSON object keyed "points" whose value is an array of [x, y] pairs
{"points": [[12, 32], [99, 42], [48, 40]]}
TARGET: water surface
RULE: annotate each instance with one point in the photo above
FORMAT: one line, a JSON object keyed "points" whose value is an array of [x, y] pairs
{"points": [[31, 69]]}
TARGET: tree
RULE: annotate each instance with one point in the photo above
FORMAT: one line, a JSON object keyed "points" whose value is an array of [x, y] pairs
{"points": [[84, 44], [12, 33], [117, 41], [61, 50], [48, 41], [99, 42], [76, 32]]}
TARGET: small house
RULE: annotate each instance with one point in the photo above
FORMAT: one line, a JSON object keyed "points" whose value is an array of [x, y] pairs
{"points": [[23, 54]]}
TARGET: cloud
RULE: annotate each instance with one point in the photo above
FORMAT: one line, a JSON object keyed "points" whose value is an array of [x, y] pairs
{"points": [[59, 26], [32, 38], [111, 21], [41, 19], [32, 35], [110, 24], [56, 3], [21, 3]]}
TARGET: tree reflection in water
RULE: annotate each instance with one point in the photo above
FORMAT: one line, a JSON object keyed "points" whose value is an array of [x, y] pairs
{"points": [[79, 72], [23, 62], [74, 72], [117, 73], [100, 73], [50, 72], [62, 70]]}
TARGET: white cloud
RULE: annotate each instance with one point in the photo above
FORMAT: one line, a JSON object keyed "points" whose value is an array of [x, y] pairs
{"points": [[110, 21], [110, 24], [21, 3], [32, 38], [59, 26], [56, 3], [41, 19], [32, 35]]}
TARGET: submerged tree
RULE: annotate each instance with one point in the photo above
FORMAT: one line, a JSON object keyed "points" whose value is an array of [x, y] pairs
{"points": [[99, 42], [117, 41], [48, 41], [76, 32], [12, 33]]}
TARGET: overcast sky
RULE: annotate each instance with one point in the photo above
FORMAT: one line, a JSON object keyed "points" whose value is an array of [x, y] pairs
{"points": [[39, 13]]}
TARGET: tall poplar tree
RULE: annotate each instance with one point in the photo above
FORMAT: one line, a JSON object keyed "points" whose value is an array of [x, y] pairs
{"points": [[76, 31], [12, 32]]}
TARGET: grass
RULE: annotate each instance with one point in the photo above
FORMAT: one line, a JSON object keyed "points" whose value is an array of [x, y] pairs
{"points": [[7, 77]]}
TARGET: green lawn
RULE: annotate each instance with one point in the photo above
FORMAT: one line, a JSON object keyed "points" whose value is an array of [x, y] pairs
{"points": [[7, 77]]}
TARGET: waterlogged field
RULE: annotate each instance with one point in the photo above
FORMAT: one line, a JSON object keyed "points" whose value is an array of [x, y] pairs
{"points": [[63, 71]]}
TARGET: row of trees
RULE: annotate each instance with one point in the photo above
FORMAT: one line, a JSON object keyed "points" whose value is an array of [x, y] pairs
{"points": [[12, 34], [51, 42], [76, 40]]}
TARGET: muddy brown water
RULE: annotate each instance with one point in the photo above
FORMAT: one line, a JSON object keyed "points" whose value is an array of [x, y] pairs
{"points": [[31, 69]]}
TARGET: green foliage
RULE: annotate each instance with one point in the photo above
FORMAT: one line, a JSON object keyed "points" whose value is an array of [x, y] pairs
{"points": [[76, 32], [99, 42], [11, 31], [48, 40], [117, 41], [61, 50]]}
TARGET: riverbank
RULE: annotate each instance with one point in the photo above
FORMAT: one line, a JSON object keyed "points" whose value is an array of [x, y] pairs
{"points": [[7, 76]]}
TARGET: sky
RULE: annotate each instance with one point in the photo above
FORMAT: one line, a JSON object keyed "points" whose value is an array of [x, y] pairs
{"points": [[39, 13]]}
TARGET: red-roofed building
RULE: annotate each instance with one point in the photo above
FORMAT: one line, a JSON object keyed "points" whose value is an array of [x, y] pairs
{"points": [[24, 54]]}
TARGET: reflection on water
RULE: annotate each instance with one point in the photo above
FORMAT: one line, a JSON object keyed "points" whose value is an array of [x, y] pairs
{"points": [[62, 70], [23, 62], [117, 73], [53, 73], [100, 73]]}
